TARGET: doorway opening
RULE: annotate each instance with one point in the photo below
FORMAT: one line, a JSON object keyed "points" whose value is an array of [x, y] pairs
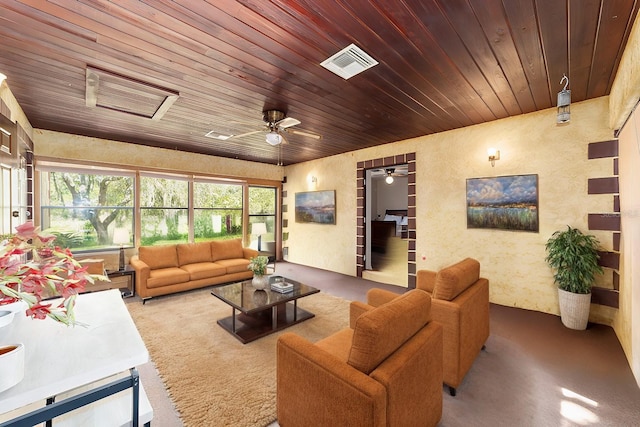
{"points": [[386, 220]]}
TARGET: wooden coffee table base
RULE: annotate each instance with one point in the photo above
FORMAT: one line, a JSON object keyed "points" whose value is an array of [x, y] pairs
{"points": [[250, 327]]}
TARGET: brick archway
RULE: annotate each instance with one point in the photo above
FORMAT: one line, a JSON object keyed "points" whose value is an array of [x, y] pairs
{"points": [[361, 242]]}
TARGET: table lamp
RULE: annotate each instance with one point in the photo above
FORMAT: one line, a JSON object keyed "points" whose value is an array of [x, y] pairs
{"points": [[121, 237], [259, 228]]}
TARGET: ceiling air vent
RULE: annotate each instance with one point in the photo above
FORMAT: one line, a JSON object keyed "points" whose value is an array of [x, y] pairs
{"points": [[349, 61], [217, 135]]}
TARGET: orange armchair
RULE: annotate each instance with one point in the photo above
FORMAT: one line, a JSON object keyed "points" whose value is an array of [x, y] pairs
{"points": [[460, 302], [385, 370]]}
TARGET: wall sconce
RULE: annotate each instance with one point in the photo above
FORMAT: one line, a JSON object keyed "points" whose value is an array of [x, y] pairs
{"points": [[493, 156], [314, 180], [564, 102], [121, 237]]}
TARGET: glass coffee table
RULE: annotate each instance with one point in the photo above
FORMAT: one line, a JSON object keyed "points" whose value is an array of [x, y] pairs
{"points": [[257, 313]]}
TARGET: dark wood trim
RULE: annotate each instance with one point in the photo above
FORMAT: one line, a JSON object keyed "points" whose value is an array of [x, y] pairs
{"points": [[599, 150], [610, 222], [609, 259], [603, 296], [608, 185]]}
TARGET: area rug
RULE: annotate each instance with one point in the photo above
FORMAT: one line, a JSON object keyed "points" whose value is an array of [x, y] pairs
{"points": [[212, 378]]}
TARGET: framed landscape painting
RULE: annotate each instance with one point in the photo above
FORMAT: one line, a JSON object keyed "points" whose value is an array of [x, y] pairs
{"points": [[316, 206], [504, 202]]}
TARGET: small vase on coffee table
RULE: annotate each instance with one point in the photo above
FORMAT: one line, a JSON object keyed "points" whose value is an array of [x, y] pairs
{"points": [[260, 281]]}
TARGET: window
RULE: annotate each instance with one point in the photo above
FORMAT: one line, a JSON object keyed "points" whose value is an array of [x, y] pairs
{"points": [[88, 207], [217, 210], [83, 208], [262, 218], [164, 210]]}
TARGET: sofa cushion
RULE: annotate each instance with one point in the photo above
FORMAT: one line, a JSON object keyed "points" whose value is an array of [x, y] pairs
{"points": [[162, 256], [192, 253], [166, 276], [203, 270], [379, 332], [453, 280], [235, 265], [226, 249]]}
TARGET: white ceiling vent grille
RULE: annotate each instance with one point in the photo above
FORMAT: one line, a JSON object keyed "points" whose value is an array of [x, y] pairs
{"points": [[349, 61], [217, 135]]}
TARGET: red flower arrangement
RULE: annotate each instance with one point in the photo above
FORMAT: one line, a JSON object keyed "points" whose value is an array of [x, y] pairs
{"points": [[50, 271]]}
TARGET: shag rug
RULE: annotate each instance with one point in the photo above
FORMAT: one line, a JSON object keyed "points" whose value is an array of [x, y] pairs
{"points": [[212, 378]]}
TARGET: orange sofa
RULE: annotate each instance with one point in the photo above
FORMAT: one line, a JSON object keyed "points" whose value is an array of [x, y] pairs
{"points": [[167, 269], [460, 302], [384, 370]]}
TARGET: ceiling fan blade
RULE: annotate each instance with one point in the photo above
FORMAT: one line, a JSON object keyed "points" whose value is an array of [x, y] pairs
{"points": [[305, 133], [247, 133], [287, 122]]}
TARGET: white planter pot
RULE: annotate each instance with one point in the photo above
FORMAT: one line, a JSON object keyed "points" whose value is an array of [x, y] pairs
{"points": [[11, 365], [574, 309], [6, 317]]}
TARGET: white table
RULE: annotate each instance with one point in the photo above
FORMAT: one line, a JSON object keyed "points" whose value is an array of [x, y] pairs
{"points": [[62, 361]]}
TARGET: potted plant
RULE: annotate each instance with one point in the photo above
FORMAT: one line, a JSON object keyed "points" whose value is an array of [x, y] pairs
{"points": [[574, 257]]}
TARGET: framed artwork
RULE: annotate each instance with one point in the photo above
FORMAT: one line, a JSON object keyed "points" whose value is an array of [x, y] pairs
{"points": [[316, 206], [503, 202]]}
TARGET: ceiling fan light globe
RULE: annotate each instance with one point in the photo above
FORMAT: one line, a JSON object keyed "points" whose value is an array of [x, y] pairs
{"points": [[274, 138], [389, 179]]}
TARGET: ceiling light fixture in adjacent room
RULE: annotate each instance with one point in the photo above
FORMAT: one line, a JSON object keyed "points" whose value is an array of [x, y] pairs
{"points": [[389, 178]]}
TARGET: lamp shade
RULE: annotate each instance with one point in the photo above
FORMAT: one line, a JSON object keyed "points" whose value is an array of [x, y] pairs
{"points": [[120, 236], [259, 228]]}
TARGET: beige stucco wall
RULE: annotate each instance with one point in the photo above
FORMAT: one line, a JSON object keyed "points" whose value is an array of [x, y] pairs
{"points": [[622, 100], [17, 115], [625, 90], [627, 323], [80, 148], [513, 261]]}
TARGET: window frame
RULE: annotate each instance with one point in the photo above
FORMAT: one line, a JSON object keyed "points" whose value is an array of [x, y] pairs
{"points": [[45, 164]]}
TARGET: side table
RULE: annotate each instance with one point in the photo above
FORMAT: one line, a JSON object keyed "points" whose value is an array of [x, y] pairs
{"points": [[123, 279]]}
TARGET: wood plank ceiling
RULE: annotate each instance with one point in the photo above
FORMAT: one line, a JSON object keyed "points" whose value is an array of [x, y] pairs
{"points": [[443, 64]]}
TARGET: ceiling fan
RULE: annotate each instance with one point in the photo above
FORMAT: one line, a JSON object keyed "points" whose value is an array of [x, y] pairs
{"points": [[277, 125], [398, 170], [390, 172]]}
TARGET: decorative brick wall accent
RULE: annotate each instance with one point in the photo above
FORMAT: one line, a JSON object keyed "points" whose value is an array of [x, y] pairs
{"points": [[361, 242], [609, 221]]}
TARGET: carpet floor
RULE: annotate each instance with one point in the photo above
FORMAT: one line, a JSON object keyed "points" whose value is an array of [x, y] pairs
{"points": [[212, 378]]}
